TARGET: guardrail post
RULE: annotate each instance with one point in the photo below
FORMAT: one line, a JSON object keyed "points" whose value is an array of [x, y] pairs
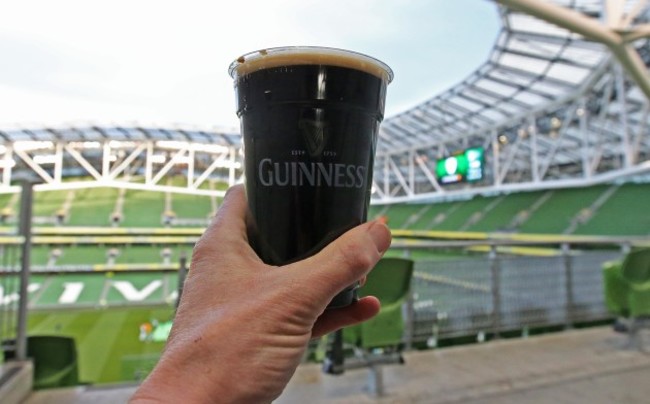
{"points": [[496, 290], [410, 320], [568, 276], [408, 311], [626, 248], [25, 230]]}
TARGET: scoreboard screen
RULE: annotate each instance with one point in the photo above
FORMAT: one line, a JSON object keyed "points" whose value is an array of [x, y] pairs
{"points": [[466, 166]]}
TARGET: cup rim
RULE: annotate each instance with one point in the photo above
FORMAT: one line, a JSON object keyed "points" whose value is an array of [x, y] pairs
{"points": [[311, 55]]}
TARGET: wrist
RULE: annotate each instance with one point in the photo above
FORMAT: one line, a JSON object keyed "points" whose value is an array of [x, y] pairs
{"points": [[191, 372], [170, 385]]}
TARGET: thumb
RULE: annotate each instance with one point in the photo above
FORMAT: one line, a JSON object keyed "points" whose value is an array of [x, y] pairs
{"points": [[344, 261]]}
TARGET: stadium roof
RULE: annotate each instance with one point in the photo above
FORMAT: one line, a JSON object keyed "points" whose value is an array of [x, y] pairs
{"points": [[550, 107], [532, 63], [96, 133]]}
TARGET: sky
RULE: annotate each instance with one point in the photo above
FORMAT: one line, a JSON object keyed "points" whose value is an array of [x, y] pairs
{"points": [[165, 62]]}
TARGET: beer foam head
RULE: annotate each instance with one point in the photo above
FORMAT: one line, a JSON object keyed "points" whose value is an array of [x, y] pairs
{"points": [[308, 55]]}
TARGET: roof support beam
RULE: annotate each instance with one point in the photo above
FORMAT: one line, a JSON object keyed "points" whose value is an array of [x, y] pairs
{"points": [[592, 29]]}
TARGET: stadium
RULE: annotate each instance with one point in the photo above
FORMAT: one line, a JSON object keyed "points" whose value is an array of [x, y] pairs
{"points": [[516, 194]]}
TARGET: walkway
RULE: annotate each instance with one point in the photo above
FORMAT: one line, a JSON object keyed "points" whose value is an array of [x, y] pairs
{"points": [[593, 365]]}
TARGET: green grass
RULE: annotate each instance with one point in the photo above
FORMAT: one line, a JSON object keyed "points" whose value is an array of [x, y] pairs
{"points": [[103, 321]]}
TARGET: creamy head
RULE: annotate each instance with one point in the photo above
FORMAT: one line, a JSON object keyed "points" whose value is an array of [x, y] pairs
{"points": [[308, 55]]}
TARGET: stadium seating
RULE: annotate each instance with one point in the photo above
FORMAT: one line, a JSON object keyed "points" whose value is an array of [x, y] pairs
{"points": [[399, 214], [635, 269], [548, 212], [616, 289], [428, 218], [46, 204], [458, 214], [624, 213], [627, 293], [379, 340], [191, 207], [389, 281], [502, 214], [556, 214], [55, 361], [92, 207], [143, 209]]}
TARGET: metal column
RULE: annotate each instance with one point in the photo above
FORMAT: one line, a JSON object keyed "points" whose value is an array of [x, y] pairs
{"points": [[25, 229]]}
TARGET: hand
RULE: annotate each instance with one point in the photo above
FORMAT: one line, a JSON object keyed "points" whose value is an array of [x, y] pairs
{"points": [[242, 326]]}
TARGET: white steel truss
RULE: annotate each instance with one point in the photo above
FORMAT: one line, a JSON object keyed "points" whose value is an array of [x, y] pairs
{"points": [[556, 105], [121, 157]]}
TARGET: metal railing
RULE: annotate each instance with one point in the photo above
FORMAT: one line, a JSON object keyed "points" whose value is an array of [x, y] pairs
{"points": [[499, 291], [9, 295]]}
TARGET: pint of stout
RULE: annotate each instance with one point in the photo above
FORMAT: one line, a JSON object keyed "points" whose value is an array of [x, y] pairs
{"points": [[309, 119]]}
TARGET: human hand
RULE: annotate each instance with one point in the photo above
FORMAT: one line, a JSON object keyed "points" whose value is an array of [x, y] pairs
{"points": [[242, 326]]}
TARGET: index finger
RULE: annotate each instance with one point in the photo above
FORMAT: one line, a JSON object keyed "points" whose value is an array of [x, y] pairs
{"points": [[227, 231]]}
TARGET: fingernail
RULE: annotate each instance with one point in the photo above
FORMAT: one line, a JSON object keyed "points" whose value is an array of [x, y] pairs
{"points": [[380, 234]]}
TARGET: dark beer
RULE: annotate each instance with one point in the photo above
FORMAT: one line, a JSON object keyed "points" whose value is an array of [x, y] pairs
{"points": [[309, 119]]}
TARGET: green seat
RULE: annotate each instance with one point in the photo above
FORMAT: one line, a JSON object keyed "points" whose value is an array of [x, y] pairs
{"points": [[636, 271], [616, 289], [55, 361], [390, 282]]}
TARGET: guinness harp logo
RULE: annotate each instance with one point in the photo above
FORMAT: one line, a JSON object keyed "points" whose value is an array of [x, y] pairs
{"points": [[314, 132]]}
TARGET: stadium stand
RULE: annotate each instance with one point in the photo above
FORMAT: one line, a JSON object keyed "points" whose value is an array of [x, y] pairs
{"points": [[555, 215], [47, 206], [379, 340], [428, 217], [627, 292], [82, 255], [390, 282], [143, 209], [500, 217], [544, 212], [92, 207], [108, 346], [399, 214], [192, 211], [626, 212], [456, 218], [548, 106]]}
